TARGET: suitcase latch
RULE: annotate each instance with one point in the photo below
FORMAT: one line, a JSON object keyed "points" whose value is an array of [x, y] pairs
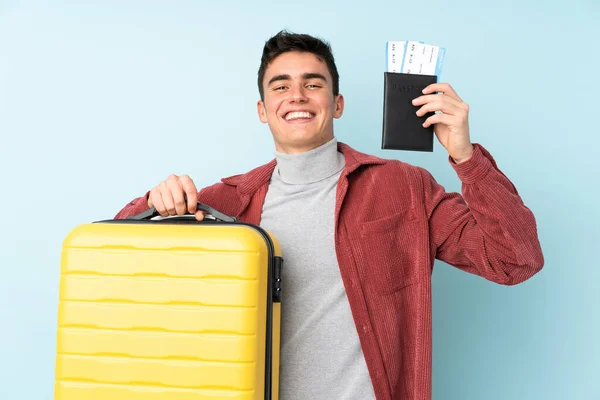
{"points": [[277, 279]]}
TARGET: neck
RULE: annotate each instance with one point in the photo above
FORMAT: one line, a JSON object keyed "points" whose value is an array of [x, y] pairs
{"points": [[309, 166], [292, 149]]}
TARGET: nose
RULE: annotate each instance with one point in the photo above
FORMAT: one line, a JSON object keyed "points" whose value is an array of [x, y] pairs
{"points": [[297, 94]]}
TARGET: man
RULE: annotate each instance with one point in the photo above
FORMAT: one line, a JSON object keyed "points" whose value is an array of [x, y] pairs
{"points": [[359, 233]]}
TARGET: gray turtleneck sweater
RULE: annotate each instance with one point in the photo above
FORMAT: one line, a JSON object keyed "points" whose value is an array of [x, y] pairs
{"points": [[321, 356]]}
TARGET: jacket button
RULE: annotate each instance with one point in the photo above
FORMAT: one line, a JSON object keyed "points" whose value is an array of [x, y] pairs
{"points": [[365, 327]]}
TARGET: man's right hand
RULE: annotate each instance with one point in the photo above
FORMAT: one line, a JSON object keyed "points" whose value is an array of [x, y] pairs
{"points": [[175, 196]]}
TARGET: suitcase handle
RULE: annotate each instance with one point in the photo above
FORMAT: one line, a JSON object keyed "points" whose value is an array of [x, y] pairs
{"points": [[218, 215]]}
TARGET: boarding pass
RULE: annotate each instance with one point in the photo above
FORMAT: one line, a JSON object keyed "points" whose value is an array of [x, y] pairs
{"points": [[411, 57]]}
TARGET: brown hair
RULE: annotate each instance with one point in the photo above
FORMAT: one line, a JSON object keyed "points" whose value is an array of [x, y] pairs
{"points": [[285, 41]]}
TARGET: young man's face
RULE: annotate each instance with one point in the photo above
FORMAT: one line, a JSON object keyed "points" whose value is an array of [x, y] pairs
{"points": [[299, 105]]}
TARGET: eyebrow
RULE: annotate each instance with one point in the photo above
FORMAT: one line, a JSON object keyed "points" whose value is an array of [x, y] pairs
{"points": [[308, 75]]}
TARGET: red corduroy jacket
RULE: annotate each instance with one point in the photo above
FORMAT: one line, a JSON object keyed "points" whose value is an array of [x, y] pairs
{"points": [[391, 221]]}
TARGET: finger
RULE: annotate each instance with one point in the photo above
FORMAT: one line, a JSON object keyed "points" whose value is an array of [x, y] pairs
{"points": [[150, 204], [191, 193], [438, 97], [444, 119], [159, 205], [444, 106], [199, 215], [442, 87], [167, 199], [177, 193]]}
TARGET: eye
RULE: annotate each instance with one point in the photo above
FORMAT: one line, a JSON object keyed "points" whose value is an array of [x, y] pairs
{"points": [[279, 88], [313, 86]]}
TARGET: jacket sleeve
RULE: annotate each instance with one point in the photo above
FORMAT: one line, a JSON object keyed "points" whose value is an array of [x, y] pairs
{"points": [[134, 207], [487, 231]]}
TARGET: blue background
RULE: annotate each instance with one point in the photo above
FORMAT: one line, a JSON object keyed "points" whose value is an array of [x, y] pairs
{"points": [[101, 100]]}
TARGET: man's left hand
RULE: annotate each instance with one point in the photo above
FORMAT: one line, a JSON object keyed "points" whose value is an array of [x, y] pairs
{"points": [[451, 124]]}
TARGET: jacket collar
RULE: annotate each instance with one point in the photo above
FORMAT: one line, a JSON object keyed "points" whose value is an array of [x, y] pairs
{"points": [[251, 181]]}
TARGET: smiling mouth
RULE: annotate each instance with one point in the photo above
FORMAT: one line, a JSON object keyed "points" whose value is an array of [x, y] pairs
{"points": [[298, 116]]}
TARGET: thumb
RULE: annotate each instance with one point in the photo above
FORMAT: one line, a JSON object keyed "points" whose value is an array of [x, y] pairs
{"points": [[199, 215]]}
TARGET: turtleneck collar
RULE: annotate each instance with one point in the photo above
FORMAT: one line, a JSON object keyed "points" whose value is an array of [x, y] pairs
{"points": [[311, 166]]}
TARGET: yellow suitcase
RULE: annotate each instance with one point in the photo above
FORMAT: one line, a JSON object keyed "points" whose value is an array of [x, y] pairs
{"points": [[169, 309]]}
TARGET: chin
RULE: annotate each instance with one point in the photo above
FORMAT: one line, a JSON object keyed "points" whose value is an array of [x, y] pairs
{"points": [[302, 141]]}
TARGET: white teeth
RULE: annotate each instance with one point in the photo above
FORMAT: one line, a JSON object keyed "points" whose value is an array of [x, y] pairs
{"points": [[297, 115]]}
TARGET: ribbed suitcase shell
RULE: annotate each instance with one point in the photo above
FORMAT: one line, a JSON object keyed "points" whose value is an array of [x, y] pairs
{"points": [[166, 311]]}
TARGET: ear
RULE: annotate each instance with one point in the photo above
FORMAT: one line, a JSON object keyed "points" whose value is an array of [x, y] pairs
{"points": [[262, 111], [339, 106]]}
